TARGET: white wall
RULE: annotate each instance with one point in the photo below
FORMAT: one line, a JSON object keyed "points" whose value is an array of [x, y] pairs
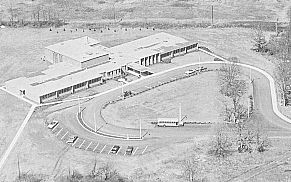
{"points": [[95, 61]]}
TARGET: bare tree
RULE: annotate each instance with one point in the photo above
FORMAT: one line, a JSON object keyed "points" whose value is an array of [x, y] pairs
{"points": [[190, 168], [232, 87], [221, 144], [260, 41], [235, 113], [257, 134], [280, 47], [107, 172]]}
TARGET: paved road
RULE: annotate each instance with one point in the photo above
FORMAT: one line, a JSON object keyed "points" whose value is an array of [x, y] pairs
{"points": [[263, 102]]}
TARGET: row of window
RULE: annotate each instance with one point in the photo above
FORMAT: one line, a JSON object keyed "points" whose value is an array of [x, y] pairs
{"points": [[80, 85], [69, 88], [95, 80], [166, 54], [64, 90]]}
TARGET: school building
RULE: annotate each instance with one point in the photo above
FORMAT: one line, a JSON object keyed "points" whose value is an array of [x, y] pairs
{"points": [[84, 62]]}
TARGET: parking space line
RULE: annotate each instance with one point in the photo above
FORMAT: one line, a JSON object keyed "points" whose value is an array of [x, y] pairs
{"points": [[119, 150], [95, 147], [59, 131], [64, 135], [102, 149], [75, 142], [135, 151], [81, 144], [88, 146], [110, 150], [144, 149]]}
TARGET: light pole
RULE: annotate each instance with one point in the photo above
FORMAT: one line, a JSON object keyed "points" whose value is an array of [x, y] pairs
{"points": [[95, 122], [79, 104], [140, 128]]}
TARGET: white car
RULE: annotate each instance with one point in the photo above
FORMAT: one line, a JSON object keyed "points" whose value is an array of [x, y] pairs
{"points": [[53, 124], [189, 72], [72, 139]]}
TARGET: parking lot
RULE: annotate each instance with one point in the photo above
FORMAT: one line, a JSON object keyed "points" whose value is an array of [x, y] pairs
{"points": [[66, 135]]}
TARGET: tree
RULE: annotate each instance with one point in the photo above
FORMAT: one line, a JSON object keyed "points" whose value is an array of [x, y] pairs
{"points": [[259, 40], [221, 145], [107, 173], [234, 89], [258, 134], [280, 48], [190, 168]]}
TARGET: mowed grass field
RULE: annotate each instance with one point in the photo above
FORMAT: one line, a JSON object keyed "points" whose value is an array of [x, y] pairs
{"points": [[198, 95], [149, 10], [12, 114]]}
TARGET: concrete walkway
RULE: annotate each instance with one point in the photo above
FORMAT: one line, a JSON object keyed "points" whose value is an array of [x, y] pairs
{"points": [[16, 137]]}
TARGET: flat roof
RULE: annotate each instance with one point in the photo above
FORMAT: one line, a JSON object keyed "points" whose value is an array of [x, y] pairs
{"points": [[150, 45], [73, 79], [54, 71], [80, 49]]}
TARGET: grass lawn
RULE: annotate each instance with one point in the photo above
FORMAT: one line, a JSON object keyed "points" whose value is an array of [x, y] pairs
{"points": [[38, 149], [12, 114], [198, 95]]}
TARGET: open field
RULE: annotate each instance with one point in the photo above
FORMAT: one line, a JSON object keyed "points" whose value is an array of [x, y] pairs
{"points": [[146, 10]]}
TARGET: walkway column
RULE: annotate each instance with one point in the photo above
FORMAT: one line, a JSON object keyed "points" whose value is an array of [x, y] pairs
{"points": [[87, 84], [150, 60], [57, 94], [72, 90], [185, 50], [172, 54]]}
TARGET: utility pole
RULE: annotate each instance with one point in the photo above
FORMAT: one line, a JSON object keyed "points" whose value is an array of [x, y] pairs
{"points": [[211, 14], [95, 122], [122, 91], [18, 165], [140, 128], [250, 75], [277, 33], [79, 104], [180, 113], [249, 108]]}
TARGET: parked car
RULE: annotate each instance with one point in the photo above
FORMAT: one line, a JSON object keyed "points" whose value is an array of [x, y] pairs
{"points": [[114, 149], [189, 72], [72, 139], [53, 124], [129, 150]]}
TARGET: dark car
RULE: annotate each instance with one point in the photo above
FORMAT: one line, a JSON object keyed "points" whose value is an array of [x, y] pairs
{"points": [[114, 149], [129, 150]]}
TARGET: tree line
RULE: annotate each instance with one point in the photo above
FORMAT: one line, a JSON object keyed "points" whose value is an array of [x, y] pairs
{"points": [[279, 47], [39, 16]]}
